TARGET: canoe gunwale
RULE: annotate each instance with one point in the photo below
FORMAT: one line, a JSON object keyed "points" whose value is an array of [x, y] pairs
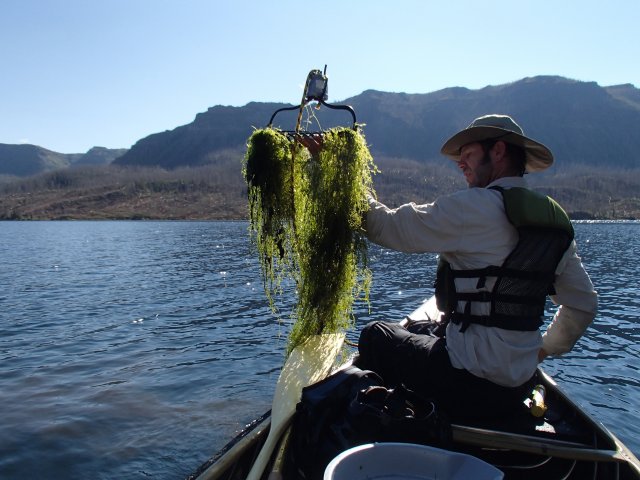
{"points": [[234, 450], [481, 437]]}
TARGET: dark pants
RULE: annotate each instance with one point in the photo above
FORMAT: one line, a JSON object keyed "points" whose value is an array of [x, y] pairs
{"points": [[421, 362]]}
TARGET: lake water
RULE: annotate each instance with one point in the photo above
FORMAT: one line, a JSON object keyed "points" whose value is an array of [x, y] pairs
{"points": [[137, 349]]}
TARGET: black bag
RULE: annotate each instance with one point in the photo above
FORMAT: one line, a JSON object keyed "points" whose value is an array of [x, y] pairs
{"points": [[353, 407]]}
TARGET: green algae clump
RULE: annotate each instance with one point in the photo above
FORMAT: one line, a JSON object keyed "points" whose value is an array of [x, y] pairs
{"points": [[306, 219]]}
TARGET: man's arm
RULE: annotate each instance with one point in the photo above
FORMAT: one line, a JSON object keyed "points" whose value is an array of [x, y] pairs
{"points": [[578, 303], [415, 228]]}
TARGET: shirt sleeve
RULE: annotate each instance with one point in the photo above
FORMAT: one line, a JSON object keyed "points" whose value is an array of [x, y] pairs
{"points": [[578, 303], [432, 227]]}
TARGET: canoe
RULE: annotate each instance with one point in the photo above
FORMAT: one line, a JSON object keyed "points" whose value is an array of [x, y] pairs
{"points": [[565, 443]]}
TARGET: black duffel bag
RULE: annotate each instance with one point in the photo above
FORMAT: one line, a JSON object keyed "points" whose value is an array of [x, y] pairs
{"points": [[353, 407]]}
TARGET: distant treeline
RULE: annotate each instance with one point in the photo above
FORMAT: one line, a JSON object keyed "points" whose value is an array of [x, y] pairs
{"points": [[219, 192]]}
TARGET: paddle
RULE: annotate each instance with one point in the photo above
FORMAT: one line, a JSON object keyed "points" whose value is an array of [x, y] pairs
{"points": [[307, 364]]}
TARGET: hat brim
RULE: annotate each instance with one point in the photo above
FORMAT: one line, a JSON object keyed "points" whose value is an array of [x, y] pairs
{"points": [[538, 156]]}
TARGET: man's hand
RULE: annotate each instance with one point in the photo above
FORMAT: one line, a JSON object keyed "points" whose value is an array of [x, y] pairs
{"points": [[542, 354], [313, 142]]}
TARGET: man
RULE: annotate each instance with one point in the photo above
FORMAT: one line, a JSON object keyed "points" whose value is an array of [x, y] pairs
{"points": [[502, 249]]}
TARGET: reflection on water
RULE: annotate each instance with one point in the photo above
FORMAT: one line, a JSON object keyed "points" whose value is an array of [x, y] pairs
{"points": [[132, 349]]}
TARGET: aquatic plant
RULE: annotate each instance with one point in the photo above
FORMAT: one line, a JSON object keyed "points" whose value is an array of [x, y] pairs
{"points": [[306, 218], [268, 168]]}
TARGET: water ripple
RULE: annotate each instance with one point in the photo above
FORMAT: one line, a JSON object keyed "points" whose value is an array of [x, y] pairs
{"points": [[134, 349]]}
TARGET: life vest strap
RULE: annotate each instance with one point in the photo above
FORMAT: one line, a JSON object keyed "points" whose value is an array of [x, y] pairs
{"points": [[495, 271], [505, 322], [497, 297]]}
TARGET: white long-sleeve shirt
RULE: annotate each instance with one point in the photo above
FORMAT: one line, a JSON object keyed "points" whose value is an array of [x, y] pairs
{"points": [[470, 230]]}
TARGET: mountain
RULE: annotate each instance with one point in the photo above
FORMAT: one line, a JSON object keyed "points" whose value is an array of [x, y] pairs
{"points": [[99, 156], [24, 160], [218, 129], [582, 122]]}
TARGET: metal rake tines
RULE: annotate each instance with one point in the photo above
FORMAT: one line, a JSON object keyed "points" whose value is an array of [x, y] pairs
{"points": [[346, 108]]}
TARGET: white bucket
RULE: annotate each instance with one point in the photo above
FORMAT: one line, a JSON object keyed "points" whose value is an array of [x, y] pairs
{"points": [[404, 461]]}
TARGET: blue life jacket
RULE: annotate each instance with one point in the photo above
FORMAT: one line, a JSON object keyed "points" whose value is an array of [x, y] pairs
{"points": [[527, 275]]}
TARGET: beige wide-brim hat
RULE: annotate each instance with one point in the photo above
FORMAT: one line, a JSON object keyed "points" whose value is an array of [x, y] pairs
{"points": [[499, 127]]}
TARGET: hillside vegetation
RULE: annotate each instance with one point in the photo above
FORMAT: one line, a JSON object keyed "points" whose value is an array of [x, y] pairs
{"points": [[218, 192]]}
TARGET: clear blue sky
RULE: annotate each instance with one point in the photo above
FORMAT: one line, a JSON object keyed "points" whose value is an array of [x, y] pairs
{"points": [[80, 73]]}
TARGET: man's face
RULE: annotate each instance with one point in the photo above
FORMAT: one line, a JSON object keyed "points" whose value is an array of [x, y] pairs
{"points": [[477, 169]]}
